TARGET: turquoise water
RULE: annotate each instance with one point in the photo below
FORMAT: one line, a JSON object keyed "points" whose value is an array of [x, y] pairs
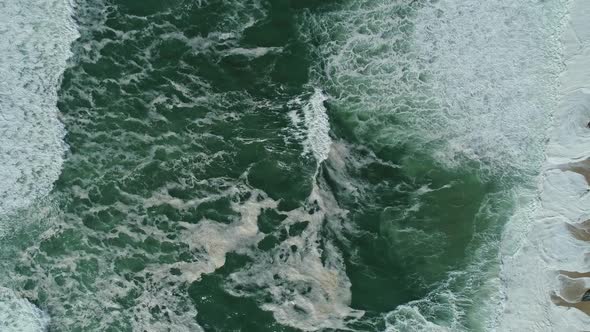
{"points": [[274, 165]]}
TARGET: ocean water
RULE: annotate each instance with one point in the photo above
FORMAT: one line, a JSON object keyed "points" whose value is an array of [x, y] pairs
{"points": [[270, 165]]}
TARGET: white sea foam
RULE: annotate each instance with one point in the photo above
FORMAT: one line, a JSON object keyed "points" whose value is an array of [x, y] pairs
{"points": [[468, 80], [254, 52], [18, 315], [540, 244], [461, 77], [213, 240], [492, 66], [307, 286], [311, 124], [305, 280], [35, 39], [318, 128]]}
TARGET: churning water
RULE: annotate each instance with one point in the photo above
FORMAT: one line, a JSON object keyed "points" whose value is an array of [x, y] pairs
{"points": [[270, 165]]}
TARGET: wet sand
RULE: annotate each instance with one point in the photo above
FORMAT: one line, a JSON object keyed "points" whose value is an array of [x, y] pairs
{"points": [[580, 167], [580, 231], [582, 306], [574, 275]]}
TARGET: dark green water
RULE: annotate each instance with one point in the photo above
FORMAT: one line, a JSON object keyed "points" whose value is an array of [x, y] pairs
{"points": [[202, 189]]}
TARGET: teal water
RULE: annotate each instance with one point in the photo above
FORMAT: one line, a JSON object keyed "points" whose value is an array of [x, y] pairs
{"points": [[275, 165]]}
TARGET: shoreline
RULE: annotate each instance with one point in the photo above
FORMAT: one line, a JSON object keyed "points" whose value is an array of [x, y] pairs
{"points": [[546, 276]]}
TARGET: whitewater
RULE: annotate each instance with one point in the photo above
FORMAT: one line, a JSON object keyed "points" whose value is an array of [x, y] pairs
{"points": [[470, 83], [35, 40], [35, 44], [492, 97], [545, 256]]}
